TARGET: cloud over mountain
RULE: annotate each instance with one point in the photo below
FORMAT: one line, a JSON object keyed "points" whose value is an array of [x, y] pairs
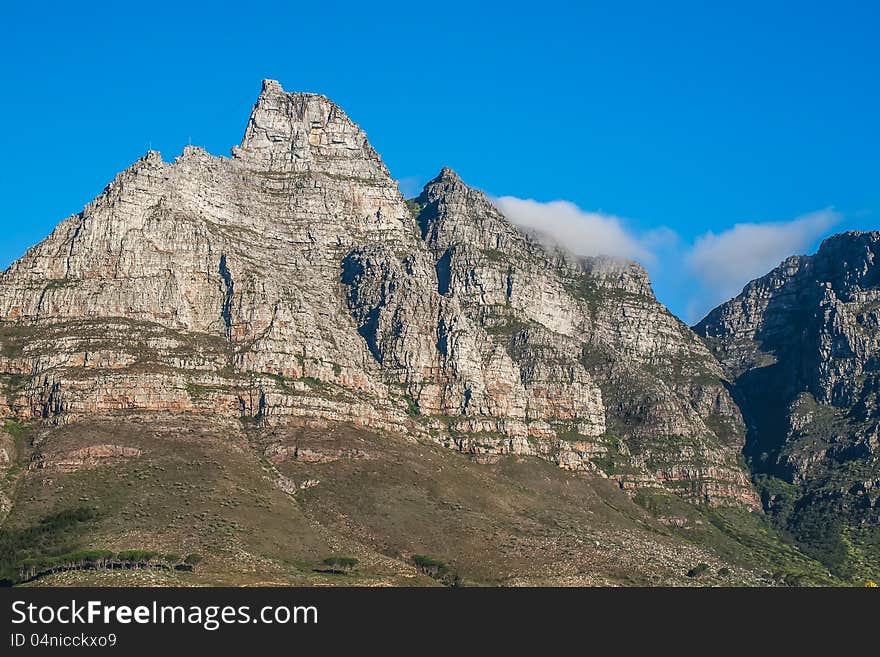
{"points": [[720, 263], [580, 231], [723, 263]]}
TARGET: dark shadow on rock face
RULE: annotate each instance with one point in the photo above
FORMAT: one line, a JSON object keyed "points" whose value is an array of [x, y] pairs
{"points": [[764, 408], [428, 212], [765, 394], [444, 271], [353, 274]]}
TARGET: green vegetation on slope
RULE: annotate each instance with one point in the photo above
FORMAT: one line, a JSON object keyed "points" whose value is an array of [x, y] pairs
{"points": [[742, 537], [54, 535]]}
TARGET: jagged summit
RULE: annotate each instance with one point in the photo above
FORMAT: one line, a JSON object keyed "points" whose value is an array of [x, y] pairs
{"points": [[845, 264], [298, 132], [447, 175], [270, 86], [859, 254], [853, 236], [454, 212]]}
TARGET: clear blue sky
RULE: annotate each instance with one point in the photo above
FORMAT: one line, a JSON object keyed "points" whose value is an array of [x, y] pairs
{"points": [[672, 114]]}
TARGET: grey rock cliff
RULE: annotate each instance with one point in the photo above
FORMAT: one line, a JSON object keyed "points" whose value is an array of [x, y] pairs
{"points": [[802, 346], [583, 329], [292, 283]]}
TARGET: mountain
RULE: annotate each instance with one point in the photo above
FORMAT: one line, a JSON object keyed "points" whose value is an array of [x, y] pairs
{"points": [[274, 356], [802, 348]]}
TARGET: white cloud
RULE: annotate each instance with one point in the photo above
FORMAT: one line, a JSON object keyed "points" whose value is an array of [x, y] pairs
{"points": [[691, 278], [581, 232], [722, 264]]}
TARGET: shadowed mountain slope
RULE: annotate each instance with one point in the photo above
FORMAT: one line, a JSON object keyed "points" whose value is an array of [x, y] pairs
{"points": [[802, 347]]}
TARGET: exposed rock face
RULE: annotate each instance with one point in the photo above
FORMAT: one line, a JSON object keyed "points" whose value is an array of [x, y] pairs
{"points": [[808, 332], [85, 457], [7, 458], [292, 283], [599, 356]]}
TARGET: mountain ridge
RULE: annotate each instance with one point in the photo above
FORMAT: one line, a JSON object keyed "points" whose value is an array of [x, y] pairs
{"points": [[291, 299]]}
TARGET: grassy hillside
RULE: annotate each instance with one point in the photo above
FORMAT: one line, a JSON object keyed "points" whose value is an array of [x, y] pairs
{"points": [[275, 506]]}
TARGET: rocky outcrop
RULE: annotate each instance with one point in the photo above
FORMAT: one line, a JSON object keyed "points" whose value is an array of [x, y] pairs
{"points": [[8, 457], [85, 457], [291, 283], [808, 332], [607, 368]]}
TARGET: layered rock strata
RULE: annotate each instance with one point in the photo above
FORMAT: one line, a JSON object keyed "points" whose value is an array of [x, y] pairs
{"points": [[292, 283]]}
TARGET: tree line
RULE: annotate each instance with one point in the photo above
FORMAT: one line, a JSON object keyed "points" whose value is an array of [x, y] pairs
{"points": [[34, 567]]}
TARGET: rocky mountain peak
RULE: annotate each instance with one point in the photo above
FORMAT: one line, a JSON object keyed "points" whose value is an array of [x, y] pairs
{"points": [[270, 87], [845, 265], [300, 132], [453, 212], [448, 187], [850, 261], [851, 239], [447, 175]]}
